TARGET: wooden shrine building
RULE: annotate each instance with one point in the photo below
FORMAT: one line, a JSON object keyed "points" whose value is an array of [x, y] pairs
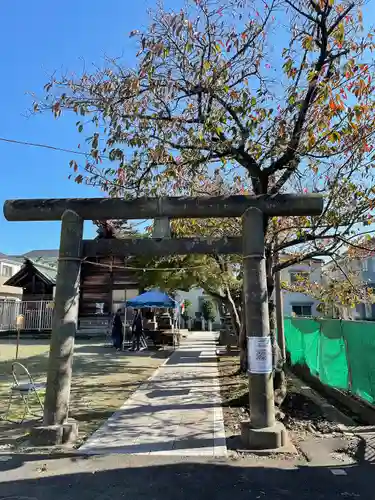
{"points": [[36, 279], [104, 281]]}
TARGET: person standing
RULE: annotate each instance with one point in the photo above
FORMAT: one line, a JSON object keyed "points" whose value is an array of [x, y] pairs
{"points": [[137, 329], [117, 334]]}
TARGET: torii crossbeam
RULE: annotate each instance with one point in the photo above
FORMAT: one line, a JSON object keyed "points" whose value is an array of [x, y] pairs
{"points": [[262, 431]]}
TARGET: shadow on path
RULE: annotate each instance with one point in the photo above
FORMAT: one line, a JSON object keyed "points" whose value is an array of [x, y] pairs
{"points": [[139, 478]]}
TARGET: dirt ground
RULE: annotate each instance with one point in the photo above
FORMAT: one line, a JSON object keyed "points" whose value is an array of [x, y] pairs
{"points": [[314, 437], [234, 389], [102, 380]]}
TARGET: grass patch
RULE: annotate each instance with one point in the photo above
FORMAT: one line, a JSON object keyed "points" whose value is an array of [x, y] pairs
{"points": [[102, 380]]}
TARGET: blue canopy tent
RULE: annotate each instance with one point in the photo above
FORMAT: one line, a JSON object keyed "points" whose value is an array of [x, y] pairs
{"points": [[153, 298]]}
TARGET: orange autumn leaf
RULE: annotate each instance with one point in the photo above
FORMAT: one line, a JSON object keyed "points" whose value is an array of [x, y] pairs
{"points": [[343, 93]]}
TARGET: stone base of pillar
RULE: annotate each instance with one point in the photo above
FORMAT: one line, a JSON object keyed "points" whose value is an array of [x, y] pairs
{"points": [[51, 435], [266, 438]]}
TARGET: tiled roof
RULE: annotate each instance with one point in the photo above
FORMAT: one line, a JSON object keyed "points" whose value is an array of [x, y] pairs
{"points": [[42, 257], [42, 254], [11, 258], [49, 272]]}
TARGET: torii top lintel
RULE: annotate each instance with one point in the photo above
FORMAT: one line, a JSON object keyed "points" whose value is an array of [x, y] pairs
{"points": [[173, 207]]}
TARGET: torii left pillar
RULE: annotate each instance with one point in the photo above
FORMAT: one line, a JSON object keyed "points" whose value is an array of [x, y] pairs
{"points": [[56, 428]]}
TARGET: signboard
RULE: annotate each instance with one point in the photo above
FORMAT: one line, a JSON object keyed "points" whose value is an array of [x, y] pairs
{"points": [[20, 322], [259, 354]]}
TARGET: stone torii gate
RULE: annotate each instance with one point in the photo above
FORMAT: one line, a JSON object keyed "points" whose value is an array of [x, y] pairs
{"points": [[262, 431]]}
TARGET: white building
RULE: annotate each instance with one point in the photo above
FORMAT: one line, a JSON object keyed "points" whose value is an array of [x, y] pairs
{"points": [[299, 304], [362, 272], [8, 268], [294, 304], [196, 297]]}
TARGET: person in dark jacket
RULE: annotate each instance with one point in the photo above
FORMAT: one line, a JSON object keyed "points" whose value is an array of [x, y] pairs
{"points": [[117, 334], [137, 329]]}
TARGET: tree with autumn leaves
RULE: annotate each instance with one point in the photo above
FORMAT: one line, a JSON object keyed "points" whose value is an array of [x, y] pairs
{"points": [[255, 97], [220, 276]]}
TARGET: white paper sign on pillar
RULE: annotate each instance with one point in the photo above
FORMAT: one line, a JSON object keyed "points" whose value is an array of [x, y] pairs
{"points": [[259, 354]]}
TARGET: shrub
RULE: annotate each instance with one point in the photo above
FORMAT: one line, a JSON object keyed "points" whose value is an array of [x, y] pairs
{"points": [[208, 310]]}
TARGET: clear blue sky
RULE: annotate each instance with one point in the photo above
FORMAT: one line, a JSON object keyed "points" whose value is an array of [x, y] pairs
{"points": [[37, 38]]}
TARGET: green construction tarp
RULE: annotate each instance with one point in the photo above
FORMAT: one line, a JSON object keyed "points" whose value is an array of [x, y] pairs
{"points": [[340, 353], [360, 341]]}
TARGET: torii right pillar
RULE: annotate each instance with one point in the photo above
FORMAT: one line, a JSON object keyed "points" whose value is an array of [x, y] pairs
{"points": [[262, 431]]}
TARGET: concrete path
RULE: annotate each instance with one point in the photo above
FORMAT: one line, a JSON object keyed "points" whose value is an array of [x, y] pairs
{"points": [[177, 412]]}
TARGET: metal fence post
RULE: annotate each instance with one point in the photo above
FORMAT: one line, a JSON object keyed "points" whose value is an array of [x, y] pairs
{"points": [[40, 316]]}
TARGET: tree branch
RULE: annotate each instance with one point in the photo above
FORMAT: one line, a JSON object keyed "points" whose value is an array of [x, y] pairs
{"points": [[300, 11], [300, 258], [340, 18], [288, 159]]}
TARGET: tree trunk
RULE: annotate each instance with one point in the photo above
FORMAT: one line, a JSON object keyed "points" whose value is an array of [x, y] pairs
{"points": [[228, 301], [238, 325], [232, 308], [276, 354], [279, 379]]}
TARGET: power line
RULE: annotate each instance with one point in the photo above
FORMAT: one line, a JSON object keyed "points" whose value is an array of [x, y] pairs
{"points": [[114, 266], [45, 146]]}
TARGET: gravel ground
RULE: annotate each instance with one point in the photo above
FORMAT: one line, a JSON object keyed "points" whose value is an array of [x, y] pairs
{"points": [[310, 432]]}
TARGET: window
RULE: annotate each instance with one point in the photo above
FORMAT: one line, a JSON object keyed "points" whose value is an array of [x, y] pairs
{"points": [[302, 310], [365, 265], [299, 276], [7, 271]]}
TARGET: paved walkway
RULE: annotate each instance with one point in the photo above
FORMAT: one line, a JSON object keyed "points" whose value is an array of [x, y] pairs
{"points": [[177, 412]]}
